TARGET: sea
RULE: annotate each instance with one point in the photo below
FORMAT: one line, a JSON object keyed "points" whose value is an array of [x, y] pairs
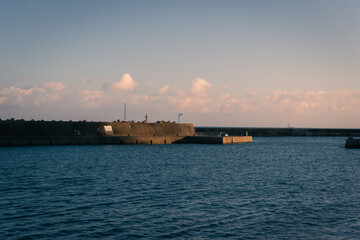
{"points": [[272, 188]]}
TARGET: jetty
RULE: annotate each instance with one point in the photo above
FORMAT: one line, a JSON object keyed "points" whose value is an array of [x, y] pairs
{"points": [[27, 133], [281, 132]]}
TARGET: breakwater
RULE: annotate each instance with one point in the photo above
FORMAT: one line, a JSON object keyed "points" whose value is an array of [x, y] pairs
{"points": [[27, 133], [118, 140], [20, 128], [283, 132]]}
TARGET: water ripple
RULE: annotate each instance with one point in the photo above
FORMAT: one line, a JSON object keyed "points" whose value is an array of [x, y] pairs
{"points": [[274, 188]]}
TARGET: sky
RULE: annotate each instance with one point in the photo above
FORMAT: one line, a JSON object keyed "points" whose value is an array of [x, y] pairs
{"points": [[254, 63]]}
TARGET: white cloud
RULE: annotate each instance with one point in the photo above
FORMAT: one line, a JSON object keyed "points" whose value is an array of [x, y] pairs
{"points": [[83, 82], [3, 99], [125, 84], [55, 86], [92, 98], [303, 102], [199, 102], [200, 87], [164, 89], [24, 97], [224, 96], [262, 108]]}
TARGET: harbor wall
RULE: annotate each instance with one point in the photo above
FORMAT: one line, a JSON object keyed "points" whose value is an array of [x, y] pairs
{"points": [[20, 128], [86, 140], [118, 140], [277, 132], [217, 139], [27, 133]]}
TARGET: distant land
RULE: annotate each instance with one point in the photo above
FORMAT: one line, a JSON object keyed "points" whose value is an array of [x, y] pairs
{"points": [[280, 132]]}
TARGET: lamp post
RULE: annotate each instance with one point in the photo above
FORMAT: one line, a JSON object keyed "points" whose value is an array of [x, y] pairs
{"points": [[179, 115]]}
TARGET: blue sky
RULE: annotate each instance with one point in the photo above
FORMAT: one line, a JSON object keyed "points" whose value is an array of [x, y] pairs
{"points": [[220, 63]]}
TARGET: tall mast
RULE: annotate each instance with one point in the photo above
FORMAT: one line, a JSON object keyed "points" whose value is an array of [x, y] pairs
{"points": [[124, 111]]}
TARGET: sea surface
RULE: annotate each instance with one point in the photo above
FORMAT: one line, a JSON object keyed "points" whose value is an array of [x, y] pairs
{"points": [[273, 188]]}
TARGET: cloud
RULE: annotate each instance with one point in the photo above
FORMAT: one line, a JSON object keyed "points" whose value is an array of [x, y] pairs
{"points": [[227, 102], [200, 87], [276, 104], [83, 82], [92, 98], [125, 84], [197, 99], [24, 97], [263, 108], [55, 86], [303, 102], [164, 89], [224, 96], [2, 100]]}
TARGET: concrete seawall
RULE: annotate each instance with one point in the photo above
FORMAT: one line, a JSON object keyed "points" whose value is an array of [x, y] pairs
{"points": [[86, 140], [218, 140], [275, 132], [28, 133], [117, 140], [20, 128]]}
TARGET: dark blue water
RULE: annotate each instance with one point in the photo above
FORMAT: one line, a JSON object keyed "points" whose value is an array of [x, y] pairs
{"points": [[273, 188]]}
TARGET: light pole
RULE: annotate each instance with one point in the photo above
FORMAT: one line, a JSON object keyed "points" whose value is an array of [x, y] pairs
{"points": [[179, 115]]}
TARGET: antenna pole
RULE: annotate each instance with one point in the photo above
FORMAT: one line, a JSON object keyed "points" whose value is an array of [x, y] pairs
{"points": [[124, 111]]}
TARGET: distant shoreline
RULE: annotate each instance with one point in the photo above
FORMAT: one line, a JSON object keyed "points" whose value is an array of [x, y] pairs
{"points": [[280, 132]]}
